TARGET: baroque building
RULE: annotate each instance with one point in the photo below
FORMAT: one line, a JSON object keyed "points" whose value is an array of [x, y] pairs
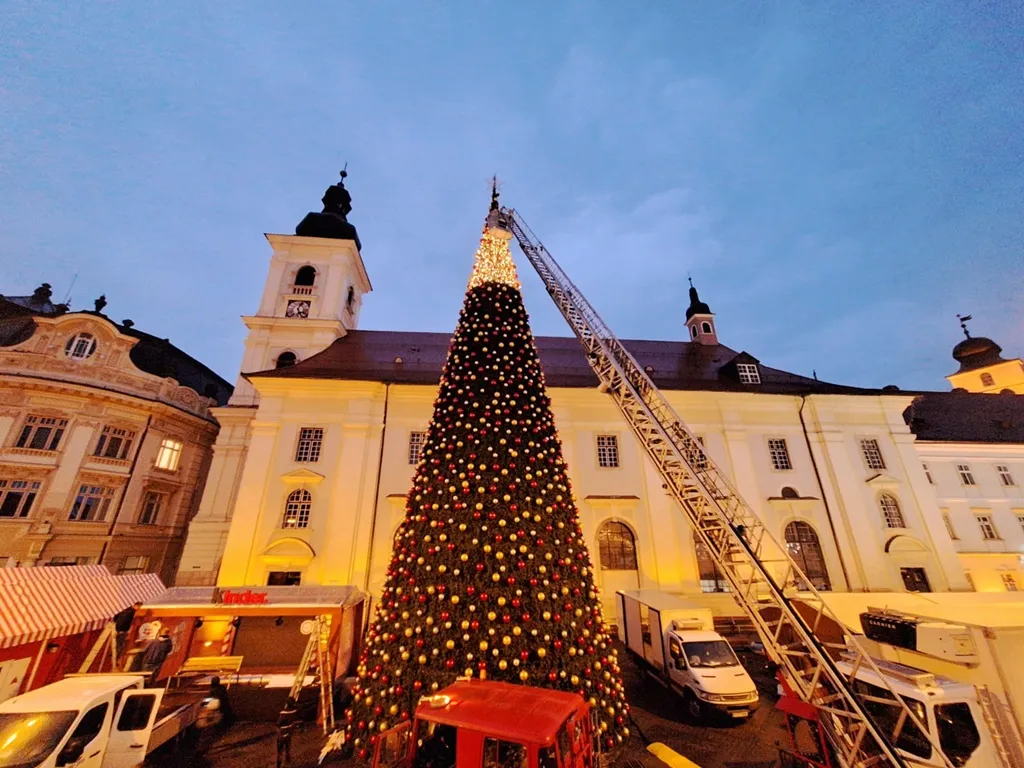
{"points": [[105, 439], [319, 444]]}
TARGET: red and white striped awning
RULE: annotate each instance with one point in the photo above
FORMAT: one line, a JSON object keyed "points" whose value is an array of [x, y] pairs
{"points": [[40, 603]]}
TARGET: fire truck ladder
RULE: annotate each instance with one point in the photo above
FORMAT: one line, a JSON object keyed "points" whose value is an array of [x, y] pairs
{"points": [[744, 550], [318, 648]]}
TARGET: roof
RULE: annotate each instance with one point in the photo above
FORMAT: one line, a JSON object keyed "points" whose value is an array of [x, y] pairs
{"points": [[663, 601], [150, 354], [69, 694], [976, 352], [961, 417], [509, 712], [50, 601], [672, 365]]}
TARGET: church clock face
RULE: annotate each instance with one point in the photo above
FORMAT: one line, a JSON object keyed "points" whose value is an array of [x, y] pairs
{"points": [[297, 309]]}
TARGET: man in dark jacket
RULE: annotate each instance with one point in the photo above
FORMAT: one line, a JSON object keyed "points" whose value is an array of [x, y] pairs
{"points": [[286, 723], [123, 625], [156, 653], [219, 692]]}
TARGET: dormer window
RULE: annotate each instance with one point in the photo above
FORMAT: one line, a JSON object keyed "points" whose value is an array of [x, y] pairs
{"points": [[987, 380], [693, 331], [305, 279], [748, 373], [80, 347], [705, 327]]}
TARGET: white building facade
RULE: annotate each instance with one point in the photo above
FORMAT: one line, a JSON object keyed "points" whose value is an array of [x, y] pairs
{"points": [[317, 451]]}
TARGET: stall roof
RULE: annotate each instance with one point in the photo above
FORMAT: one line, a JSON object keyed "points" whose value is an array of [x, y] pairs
{"points": [[232, 600], [44, 602]]}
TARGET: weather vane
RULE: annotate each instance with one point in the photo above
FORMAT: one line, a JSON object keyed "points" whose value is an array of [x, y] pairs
{"points": [[344, 173], [963, 324]]}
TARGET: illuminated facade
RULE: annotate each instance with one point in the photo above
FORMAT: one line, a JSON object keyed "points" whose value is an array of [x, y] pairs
{"points": [[317, 451], [105, 439]]}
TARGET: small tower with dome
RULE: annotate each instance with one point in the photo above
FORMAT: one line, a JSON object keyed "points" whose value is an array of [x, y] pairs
{"points": [[700, 320], [982, 366]]}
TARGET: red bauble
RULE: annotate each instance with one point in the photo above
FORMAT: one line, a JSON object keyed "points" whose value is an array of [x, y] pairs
{"points": [[450, 664]]}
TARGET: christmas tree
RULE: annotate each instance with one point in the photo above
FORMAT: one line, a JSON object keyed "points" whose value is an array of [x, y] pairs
{"points": [[490, 576]]}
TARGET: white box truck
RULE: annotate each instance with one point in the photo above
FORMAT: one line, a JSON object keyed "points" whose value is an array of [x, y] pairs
{"points": [[676, 641], [91, 721]]}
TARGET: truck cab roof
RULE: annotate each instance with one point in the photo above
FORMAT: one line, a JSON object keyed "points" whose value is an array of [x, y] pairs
{"points": [[914, 682], [70, 693], [696, 635], [518, 713]]}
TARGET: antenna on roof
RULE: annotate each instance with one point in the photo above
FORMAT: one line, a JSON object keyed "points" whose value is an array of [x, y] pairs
{"points": [[815, 374], [67, 298]]}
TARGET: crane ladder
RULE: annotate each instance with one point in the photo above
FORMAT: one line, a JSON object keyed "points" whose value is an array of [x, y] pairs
{"points": [[318, 650], [744, 550]]}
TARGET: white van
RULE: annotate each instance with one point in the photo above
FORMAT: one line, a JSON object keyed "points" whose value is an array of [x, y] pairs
{"points": [[676, 641], [92, 721]]}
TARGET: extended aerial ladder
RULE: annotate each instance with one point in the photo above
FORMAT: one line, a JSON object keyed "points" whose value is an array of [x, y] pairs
{"points": [[756, 565]]}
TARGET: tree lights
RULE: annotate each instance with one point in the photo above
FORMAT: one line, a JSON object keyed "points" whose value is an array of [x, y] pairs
{"points": [[490, 575]]}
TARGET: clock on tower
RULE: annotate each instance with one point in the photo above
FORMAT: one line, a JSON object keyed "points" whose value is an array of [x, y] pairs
{"points": [[297, 309]]}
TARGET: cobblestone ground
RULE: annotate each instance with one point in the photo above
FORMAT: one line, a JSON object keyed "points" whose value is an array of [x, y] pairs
{"points": [[657, 715]]}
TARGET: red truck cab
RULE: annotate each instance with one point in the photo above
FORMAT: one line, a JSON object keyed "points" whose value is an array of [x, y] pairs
{"points": [[485, 724]]}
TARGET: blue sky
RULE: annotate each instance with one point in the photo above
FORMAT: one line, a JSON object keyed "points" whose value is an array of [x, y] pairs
{"points": [[840, 179]]}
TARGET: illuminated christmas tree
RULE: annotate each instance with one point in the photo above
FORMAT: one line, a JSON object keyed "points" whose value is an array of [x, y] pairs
{"points": [[490, 576]]}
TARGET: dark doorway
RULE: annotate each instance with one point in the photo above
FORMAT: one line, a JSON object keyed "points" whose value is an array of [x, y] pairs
{"points": [[915, 580]]}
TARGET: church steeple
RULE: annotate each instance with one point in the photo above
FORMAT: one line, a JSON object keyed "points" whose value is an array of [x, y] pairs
{"points": [[700, 320]]}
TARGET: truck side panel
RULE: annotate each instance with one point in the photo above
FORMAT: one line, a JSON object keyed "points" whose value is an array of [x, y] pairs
{"points": [[656, 649], [631, 625]]}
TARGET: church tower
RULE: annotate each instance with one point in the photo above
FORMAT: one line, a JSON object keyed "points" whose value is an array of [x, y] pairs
{"points": [[313, 293], [312, 296], [982, 367], [700, 320]]}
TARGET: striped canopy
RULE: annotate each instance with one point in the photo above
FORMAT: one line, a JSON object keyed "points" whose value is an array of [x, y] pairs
{"points": [[46, 602]]}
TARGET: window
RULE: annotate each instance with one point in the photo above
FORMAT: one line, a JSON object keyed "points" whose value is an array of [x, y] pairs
{"points": [[114, 443], [1004, 475], [92, 503], [748, 373], [915, 580], [89, 726], [17, 496], [71, 560], [987, 380], [872, 453], [887, 717], [285, 360], [152, 505], [135, 713], [891, 513], [779, 453], [504, 754], [135, 564], [305, 276], [1020, 519], [617, 547], [42, 433], [966, 476], [988, 528], [308, 447], [805, 549], [416, 442], [297, 509], [693, 331], [169, 455], [284, 578], [705, 327], [958, 733], [711, 578], [1010, 582], [928, 474], [607, 451], [949, 526], [80, 347]]}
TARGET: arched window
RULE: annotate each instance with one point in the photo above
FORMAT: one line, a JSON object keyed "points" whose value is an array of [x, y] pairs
{"points": [[790, 493], [305, 276], [297, 509], [617, 547], [987, 380], [285, 360], [891, 512], [80, 347], [693, 331], [805, 549], [705, 327], [711, 578]]}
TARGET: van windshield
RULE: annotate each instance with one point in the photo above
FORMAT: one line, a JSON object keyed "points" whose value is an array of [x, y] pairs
{"points": [[26, 738], [710, 653]]}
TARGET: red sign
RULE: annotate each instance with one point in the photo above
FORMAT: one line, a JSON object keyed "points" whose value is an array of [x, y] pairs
{"points": [[243, 598]]}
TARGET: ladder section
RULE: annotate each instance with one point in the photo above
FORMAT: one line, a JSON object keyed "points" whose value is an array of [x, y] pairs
{"points": [[107, 641], [756, 565], [317, 650]]}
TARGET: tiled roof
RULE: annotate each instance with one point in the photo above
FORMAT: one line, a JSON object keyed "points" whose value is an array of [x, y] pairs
{"points": [[675, 365], [960, 417]]}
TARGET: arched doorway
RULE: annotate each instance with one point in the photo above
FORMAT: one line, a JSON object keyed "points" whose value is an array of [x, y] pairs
{"points": [[805, 549], [616, 546]]}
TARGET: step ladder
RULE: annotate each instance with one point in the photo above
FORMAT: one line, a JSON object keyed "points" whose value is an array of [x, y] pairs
{"points": [[757, 566], [318, 650], [105, 643]]}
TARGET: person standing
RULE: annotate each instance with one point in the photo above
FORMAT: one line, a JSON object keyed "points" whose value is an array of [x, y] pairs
{"points": [[123, 625], [156, 653], [219, 693], [286, 723]]}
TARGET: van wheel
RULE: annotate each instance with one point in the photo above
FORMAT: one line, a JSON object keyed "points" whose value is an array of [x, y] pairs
{"points": [[693, 707]]}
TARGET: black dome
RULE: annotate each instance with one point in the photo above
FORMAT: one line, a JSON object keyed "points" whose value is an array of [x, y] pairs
{"points": [[976, 352], [697, 307], [327, 225]]}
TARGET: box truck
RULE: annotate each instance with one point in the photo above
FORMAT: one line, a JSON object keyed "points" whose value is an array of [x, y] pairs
{"points": [[676, 641]]}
